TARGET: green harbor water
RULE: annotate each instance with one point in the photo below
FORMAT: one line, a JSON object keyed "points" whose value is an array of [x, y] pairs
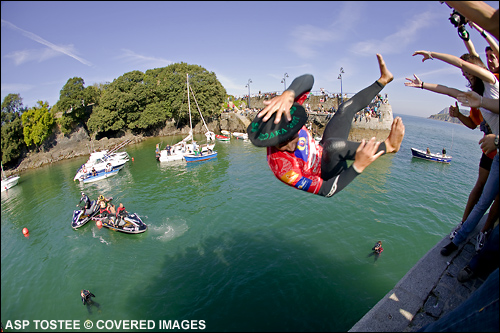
{"points": [[229, 247]]}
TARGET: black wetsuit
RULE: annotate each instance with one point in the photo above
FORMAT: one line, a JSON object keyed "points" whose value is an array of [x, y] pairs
{"points": [[86, 298], [86, 201]]}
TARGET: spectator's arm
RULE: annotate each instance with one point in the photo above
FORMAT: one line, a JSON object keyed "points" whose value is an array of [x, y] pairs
{"points": [[470, 47], [480, 12], [475, 70], [455, 113], [473, 99], [440, 89], [489, 39]]}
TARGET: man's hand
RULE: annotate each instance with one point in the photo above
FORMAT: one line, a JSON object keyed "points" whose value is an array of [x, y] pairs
{"points": [[280, 104], [488, 143], [454, 111], [366, 154]]}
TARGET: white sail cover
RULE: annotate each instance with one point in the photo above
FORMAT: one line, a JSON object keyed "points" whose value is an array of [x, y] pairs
{"points": [[210, 136]]}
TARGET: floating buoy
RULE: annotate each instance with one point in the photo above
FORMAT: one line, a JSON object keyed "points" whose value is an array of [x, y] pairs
{"points": [[98, 224], [26, 232], [132, 159]]}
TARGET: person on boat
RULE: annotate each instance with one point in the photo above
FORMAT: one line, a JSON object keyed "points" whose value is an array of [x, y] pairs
{"points": [[297, 160], [101, 198], [168, 148], [86, 203], [103, 209], [378, 247], [94, 172], [443, 152], [121, 212], [109, 167], [428, 151], [111, 208]]}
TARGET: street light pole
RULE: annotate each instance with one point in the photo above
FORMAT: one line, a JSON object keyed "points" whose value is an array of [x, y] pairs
{"points": [[248, 85], [340, 78], [284, 80]]}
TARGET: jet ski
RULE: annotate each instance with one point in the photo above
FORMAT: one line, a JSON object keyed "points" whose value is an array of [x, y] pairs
{"points": [[81, 217], [130, 224]]}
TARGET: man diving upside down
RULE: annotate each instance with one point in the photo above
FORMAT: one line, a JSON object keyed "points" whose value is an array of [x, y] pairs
{"points": [[293, 155]]}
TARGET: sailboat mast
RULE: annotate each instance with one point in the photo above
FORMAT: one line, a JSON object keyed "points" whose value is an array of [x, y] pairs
{"points": [[189, 106]]}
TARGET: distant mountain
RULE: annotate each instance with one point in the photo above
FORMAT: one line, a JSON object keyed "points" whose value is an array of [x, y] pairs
{"points": [[444, 115]]}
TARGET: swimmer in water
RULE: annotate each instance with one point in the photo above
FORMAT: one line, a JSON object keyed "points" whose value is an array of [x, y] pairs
{"points": [[378, 247], [87, 300]]}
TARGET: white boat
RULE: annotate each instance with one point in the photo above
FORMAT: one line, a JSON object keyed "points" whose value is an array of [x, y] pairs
{"points": [[182, 148], [175, 153], [240, 136], [100, 176], [100, 160], [8, 182], [442, 158]]}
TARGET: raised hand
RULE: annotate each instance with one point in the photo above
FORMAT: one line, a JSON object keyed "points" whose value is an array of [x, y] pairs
{"points": [[417, 83], [426, 54]]}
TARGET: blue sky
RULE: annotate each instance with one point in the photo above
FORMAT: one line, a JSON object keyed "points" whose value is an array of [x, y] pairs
{"points": [[46, 43]]}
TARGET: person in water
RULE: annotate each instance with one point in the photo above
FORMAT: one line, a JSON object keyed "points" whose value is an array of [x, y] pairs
{"points": [[293, 155], [378, 247], [87, 299]]}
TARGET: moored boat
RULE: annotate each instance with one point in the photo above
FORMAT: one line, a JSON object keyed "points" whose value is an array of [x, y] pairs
{"points": [[182, 148], [222, 137], [8, 182], [200, 157], [240, 136]]}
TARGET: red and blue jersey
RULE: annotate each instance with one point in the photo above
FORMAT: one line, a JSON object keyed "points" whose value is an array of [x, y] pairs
{"points": [[300, 169]]}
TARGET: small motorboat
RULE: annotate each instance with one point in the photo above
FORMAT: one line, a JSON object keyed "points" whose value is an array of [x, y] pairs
{"points": [[430, 156], [81, 217], [200, 157], [8, 182], [88, 178], [240, 136], [130, 224], [222, 137]]}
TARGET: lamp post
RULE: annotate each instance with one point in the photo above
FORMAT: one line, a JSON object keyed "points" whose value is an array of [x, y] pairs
{"points": [[284, 80], [248, 85], [340, 78]]}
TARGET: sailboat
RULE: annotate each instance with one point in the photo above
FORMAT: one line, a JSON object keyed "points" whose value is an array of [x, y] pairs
{"points": [[177, 151], [8, 182], [196, 153]]}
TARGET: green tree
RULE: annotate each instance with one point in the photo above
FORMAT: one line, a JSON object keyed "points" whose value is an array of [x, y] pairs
{"points": [[169, 85], [141, 101], [37, 124], [76, 102], [12, 143], [12, 107]]}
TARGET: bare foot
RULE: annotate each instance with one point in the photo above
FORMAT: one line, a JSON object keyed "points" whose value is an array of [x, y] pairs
{"points": [[385, 75], [395, 138]]}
